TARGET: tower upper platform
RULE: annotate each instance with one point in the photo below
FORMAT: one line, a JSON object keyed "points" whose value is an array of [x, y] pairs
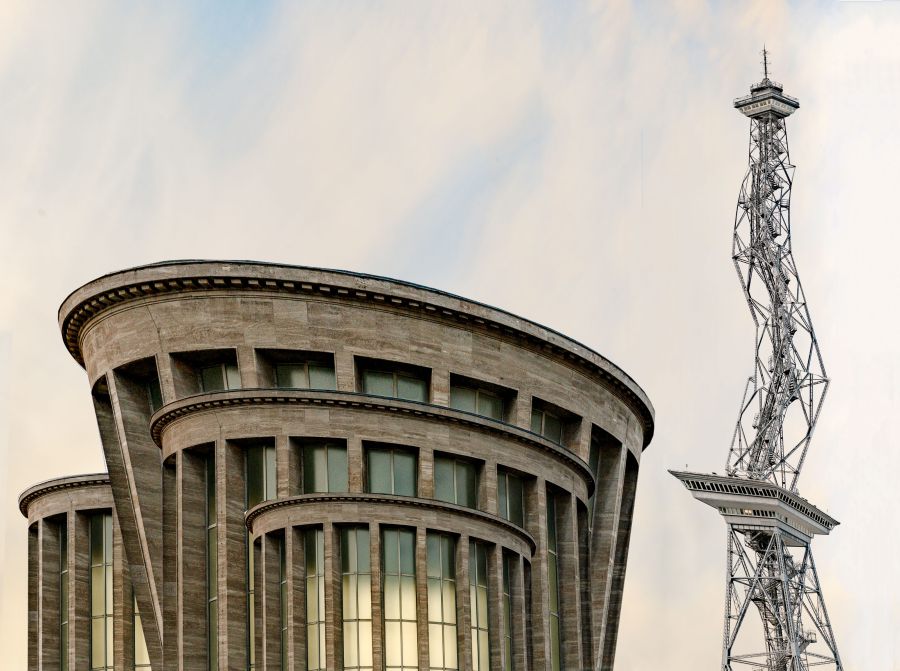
{"points": [[767, 97]]}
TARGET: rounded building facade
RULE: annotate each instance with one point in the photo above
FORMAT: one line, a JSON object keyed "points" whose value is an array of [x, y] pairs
{"points": [[313, 469]]}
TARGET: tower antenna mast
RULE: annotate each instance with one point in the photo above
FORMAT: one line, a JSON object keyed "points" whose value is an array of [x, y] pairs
{"points": [[770, 526]]}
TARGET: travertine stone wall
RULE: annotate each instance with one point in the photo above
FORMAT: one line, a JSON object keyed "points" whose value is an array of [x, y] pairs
{"points": [[156, 324]]}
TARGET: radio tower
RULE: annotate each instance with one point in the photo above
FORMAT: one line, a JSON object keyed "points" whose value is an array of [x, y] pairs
{"points": [[770, 526]]}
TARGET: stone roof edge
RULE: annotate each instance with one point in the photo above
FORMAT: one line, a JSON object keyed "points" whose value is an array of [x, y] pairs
{"points": [[40, 489], [105, 292]]}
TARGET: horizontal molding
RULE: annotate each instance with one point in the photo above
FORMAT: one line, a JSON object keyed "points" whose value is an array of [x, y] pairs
{"points": [[185, 277], [445, 509], [58, 484], [305, 398]]}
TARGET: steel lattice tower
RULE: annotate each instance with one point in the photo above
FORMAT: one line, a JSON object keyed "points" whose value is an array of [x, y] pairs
{"points": [[770, 567]]}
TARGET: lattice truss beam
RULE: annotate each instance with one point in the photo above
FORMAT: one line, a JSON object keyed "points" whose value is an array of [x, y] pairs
{"points": [[783, 397], [781, 583]]}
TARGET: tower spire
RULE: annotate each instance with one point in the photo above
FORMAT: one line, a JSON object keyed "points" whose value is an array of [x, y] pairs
{"points": [[765, 55]]}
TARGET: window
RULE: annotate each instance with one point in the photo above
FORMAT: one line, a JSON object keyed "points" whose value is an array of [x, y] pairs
{"points": [[547, 424], [260, 486], [356, 573], [305, 375], [219, 376], [401, 649], [511, 497], [553, 570], [381, 378], [63, 597], [478, 603], [141, 656], [475, 400], [442, 645], [212, 563], [324, 468], [154, 395], [507, 612], [101, 589], [456, 481], [391, 470], [315, 599]]}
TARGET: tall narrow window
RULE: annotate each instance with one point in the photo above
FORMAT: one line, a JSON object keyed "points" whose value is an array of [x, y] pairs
{"points": [[260, 486], [63, 597], [356, 573], [553, 575], [305, 375], [284, 596], [219, 376], [141, 656], [478, 602], [391, 470], [507, 612], [212, 563], [101, 592], [324, 467], [399, 600], [442, 646], [154, 395], [547, 424], [511, 497], [456, 481], [315, 599]]}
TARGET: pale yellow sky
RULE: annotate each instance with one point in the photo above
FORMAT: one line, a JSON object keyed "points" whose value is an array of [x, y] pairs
{"points": [[575, 163]]}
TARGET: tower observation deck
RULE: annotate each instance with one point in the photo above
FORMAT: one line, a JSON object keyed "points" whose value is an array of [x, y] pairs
{"points": [[770, 526]]}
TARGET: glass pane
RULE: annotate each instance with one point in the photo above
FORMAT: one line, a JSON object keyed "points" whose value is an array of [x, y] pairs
{"points": [[554, 644], [140, 645], [444, 489], [407, 552], [448, 556], [362, 556], [232, 378], [365, 644], [390, 550], [351, 647], [450, 642], [211, 378], [290, 376], [393, 650], [404, 473], [378, 383], [315, 476], [490, 405], [107, 539], [391, 597], [96, 539], [462, 398], [109, 590], [210, 489], [448, 614], [484, 656], [554, 585], [350, 601], [213, 638], [408, 597], [364, 583], [516, 493], [502, 501], [312, 641], [321, 376], [433, 555], [211, 560], [435, 609], [348, 550], [98, 639], [155, 395], [254, 476], [379, 471], [271, 477], [98, 596], [466, 484], [553, 428], [410, 644], [337, 469], [482, 607], [536, 420], [411, 388], [436, 646]]}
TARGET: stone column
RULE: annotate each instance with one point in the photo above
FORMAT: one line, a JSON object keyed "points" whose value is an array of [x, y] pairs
{"points": [[233, 607], [463, 605], [421, 548], [377, 606], [569, 593], [297, 590], [334, 639], [34, 613], [192, 579], [495, 608]]}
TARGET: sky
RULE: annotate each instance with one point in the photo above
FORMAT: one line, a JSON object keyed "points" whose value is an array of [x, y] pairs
{"points": [[575, 163]]}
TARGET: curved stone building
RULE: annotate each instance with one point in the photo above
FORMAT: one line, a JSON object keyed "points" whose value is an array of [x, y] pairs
{"points": [[313, 469]]}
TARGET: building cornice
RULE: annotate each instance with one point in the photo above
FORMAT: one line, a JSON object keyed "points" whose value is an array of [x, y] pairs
{"points": [[385, 499], [221, 400], [188, 277], [35, 492]]}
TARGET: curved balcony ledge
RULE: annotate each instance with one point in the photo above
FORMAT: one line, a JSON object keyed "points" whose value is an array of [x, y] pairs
{"points": [[344, 508], [40, 489], [218, 400], [193, 277]]}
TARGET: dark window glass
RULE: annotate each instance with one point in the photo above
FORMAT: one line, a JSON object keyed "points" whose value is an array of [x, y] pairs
{"points": [[547, 424], [456, 481], [305, 375], [391, 471], [478, 604], [357, 598], [477, 401], [401, 647], [395, 385], [324, 468], [441, 580], [219, 376], [154, 395], [511, 497]]}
